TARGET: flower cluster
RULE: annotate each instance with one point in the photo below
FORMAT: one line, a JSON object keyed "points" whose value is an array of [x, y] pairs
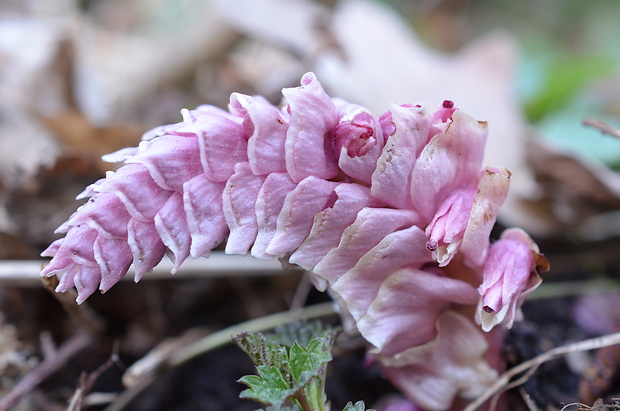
{"points": [[391, 213]]}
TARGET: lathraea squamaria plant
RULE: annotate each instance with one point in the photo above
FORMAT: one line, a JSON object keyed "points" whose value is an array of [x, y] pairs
{"points": [[392, 214]]}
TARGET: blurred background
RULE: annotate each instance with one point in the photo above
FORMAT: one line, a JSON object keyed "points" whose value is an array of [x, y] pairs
{"points": [[79, 79]]}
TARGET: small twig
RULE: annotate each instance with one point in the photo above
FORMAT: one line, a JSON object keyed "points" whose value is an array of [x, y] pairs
{"points": [[87, 381], [301, 293], [53, 360], [598, 405], [503, 382], [528, 400], [602, 127], [213, 341]]}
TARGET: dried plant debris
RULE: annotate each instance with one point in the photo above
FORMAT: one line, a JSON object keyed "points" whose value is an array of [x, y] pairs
{"points": [[598, 405], [16, 357]]}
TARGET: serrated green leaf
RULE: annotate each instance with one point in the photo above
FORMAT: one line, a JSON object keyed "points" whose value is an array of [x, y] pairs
{"points": [[302, 332], [308, 363], [269, 386], [359, 406], [261, 350], [293, 408]]}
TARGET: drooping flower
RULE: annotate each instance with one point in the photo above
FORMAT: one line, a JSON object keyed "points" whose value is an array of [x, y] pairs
{"points": [[392, 213], [511, 272], [452, 363]]}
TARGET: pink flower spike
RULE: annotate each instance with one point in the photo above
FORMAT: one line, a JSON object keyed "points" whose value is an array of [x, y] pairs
{"points": [[509, 275], [309, 147]]}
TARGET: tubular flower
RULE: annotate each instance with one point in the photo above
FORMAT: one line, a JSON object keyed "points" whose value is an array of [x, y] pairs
{"points": [[386, 211], [511, 272]]}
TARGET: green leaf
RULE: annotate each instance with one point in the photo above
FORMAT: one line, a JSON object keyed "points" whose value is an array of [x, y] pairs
{"points": [[293, 408], [268, 387], [263, 351], [308, 363], [301, 332], [359, 406], [562, 79]]}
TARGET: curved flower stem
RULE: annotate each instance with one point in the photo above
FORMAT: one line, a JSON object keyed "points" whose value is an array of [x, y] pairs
{"points": [[216, 340], [531, 365]]}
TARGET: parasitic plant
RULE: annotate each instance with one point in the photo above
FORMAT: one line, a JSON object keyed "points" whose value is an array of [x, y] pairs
{"points": [[392, 214]]}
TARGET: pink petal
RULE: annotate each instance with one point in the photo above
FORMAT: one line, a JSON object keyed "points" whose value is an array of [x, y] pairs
{"points": [[146, 247], [172, 228], [120, 155], [53, 248], [239, 201], [104, 212], [58, 266], [330, 224], [369, 228], [76, 247], [359, 142], [391, 179], [411, 299], [509, 275], [359, 286], [492, 192], [66, 281], [309, 140], [222, 141], [135, 187], [166, 129], [452, 364], [86, 280], [447, 228], [268, 133], [268, 207], [171, 160], [450, 161], [311, 196], [202, 200], [89, 191], [114, 257]]}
